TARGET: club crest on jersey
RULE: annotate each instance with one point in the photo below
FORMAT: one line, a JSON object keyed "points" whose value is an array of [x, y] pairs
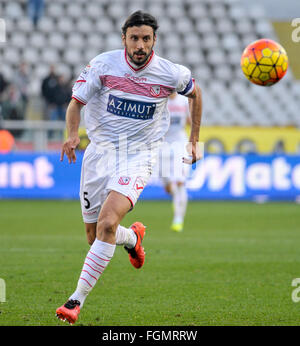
{"points": [[130, 108], [155, 90], [124, 180], [139, 185]]}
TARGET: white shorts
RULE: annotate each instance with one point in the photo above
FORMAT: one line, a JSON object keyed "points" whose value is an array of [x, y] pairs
{"points": [[171, 167], [102, 172]]}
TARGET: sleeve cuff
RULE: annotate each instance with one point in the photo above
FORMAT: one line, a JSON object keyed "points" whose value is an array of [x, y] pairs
{"points": [[78, 99]]}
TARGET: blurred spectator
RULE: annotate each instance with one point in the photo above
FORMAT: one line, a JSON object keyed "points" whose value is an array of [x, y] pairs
{"points": [[21, 81], [279, 147], [62, 96], [3, 85], [35, 10], [12, 106], [49, 85]]}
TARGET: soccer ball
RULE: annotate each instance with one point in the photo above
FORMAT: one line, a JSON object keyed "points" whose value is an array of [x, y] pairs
{"points": [[264, 62]]}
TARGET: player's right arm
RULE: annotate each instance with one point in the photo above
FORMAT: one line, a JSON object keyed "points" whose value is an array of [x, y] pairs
{"points": [[72, 125], [87, 84]]}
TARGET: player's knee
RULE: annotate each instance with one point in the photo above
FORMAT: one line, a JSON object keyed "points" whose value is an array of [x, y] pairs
{"points": [[107, 226]]}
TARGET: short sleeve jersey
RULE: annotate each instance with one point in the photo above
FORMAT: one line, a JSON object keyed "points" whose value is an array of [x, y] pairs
{"points": [[125, 101]]}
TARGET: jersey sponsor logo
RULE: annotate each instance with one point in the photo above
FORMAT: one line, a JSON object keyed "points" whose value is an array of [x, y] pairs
{"points": [[155, 90], [130, 108], [135, 79], [124, 180]]}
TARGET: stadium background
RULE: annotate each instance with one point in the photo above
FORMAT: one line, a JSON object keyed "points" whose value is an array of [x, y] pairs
{"points": [[208, 37], [241, 257]]}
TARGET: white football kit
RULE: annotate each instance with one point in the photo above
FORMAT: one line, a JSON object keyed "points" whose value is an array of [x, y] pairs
{"points": [[126, 118], [172, 169]]}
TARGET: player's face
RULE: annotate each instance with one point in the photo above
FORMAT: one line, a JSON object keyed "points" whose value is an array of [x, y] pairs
{"points": [[139, 42]]}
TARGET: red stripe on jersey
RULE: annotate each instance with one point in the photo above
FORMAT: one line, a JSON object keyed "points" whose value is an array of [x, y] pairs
{"points": [[131, 87], [75, 98]]}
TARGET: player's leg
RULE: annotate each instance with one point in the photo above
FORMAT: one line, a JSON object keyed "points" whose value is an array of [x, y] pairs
{"points": [[109, 231], [180, 199], [113, 210], [124, 236], [90, 230], [100, 254], [168, 187], [102, 250]]}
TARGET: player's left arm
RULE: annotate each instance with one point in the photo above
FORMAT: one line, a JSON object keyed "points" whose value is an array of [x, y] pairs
{"points": [[195, 103], [188, 112]]}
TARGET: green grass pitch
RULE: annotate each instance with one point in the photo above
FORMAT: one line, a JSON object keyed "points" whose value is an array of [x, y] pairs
{"points": [[233, 265]]}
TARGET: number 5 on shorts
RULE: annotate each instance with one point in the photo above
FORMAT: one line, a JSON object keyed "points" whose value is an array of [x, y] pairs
{"points": [[88, 204]]}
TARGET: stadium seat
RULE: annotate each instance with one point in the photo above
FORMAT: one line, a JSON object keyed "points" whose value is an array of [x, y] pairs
{"points": [[197, 11], [183, 25], [224, 26], [56, 40], [104, 25], [65, 25], [191, 41], [31, 55], [175, 10], [55, 10], [94, 10], [113, 41], [46, 24], [116, 10], [166, 26], [13, 10], [73, 57], [171, 40], [24, 24], [217, 11], [12, 56], [18, 40], [75, 40], [84, 25], [95, 40], [50, 56], [37, 40], [210, 41], [74, 10]]}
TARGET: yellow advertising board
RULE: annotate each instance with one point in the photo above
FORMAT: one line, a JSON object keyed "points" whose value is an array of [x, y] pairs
{"points": [[265, 140]]}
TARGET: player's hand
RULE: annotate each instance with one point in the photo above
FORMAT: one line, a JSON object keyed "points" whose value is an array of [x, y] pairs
{"points": [[195, 152], [68, 148]]}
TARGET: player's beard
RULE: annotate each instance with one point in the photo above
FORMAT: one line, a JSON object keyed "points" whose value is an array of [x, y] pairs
{"points": [[139, 62]]}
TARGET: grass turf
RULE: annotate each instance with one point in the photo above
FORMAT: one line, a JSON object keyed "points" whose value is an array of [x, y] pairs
{"points": [[232, 265]]}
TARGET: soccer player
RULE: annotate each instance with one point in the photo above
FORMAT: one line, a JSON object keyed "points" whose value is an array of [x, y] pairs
{"points": [[174, 176], [125, 95]]}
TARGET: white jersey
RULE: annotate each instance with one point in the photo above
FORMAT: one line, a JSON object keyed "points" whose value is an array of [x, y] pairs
{"points": [[123, 101], [179, 112]]}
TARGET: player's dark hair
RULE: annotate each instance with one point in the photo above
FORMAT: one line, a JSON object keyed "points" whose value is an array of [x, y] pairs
{"points": [[140, 18]]}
